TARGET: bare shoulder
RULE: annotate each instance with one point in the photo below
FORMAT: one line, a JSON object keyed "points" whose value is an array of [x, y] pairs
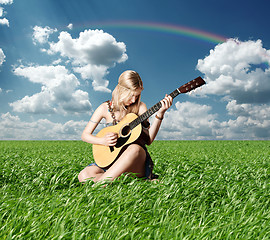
{"points": [[142, 108], [104, 106], [102, 110]]}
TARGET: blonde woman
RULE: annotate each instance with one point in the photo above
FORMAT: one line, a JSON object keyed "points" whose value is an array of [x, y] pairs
{"points": [[126, 98]]}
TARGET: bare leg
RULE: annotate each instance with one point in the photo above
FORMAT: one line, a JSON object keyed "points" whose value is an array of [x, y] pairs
{"points": [[91, 172], [131, 160]]}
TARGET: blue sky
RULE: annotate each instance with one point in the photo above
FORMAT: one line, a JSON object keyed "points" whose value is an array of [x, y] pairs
{"points": [[60, 59]]}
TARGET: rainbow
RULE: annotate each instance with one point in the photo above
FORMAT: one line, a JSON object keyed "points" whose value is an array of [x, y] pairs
{"points": [[163, 28]]}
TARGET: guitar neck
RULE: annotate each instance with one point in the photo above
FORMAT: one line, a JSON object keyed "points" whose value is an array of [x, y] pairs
{"points": [[197, 82], [151, 111]]}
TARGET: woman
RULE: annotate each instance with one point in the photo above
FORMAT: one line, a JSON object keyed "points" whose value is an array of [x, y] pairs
{"points": [[135, 158]]}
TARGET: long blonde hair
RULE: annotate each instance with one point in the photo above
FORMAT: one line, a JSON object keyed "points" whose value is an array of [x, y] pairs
{"points": [[128, 82]]}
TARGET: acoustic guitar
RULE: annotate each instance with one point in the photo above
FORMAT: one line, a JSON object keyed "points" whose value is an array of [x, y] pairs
{"points": [[129, 128]]}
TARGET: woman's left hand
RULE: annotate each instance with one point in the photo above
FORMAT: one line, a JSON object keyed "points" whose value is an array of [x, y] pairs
{"points": [[166, 104]]}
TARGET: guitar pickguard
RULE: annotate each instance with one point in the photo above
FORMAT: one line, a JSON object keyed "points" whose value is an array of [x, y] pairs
{"points": [[120, 142]]}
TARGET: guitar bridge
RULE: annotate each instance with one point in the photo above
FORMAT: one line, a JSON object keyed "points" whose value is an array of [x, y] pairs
{"points": [[111, 148]]}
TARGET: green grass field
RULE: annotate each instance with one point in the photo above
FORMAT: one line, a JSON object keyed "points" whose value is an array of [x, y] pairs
{"points": [[207, 190]]}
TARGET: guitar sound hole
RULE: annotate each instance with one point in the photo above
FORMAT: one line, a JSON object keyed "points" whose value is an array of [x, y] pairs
{"points": [[125, 131]]}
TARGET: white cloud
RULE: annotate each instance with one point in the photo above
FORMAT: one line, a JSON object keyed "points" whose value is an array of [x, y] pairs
{"points": [[13, 128], [70, 26], [2, 57], [238, 70], [92, 54], [189, 121], [97, 73], [56, 62], [5, 91], [4, 21], [41, 35], [59, 93], [5, 2], [252, 121], [197, 122]]}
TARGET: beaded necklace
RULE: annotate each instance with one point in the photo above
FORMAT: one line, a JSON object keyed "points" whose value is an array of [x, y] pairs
{"points": [[112, 112]]}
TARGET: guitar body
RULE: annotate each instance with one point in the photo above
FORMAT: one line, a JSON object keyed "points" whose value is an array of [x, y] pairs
{"points": [[103, 155]]}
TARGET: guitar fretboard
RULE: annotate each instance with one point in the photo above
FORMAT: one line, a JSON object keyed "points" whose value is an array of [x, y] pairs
{"points": [[150, 111], [197, 82]]}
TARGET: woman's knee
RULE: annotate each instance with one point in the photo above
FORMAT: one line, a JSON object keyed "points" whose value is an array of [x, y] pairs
{"points": [[82, 176], [89, 172], [136, 152]]}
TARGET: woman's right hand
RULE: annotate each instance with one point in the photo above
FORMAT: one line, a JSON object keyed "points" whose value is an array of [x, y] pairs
{"points": [[110, 139]]}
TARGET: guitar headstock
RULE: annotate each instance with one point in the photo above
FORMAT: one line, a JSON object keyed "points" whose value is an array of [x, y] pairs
{"points": [[195, 83]]}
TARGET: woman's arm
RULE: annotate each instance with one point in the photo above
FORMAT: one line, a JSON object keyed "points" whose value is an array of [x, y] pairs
{"points": [[109, 139], [154, 128]]}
